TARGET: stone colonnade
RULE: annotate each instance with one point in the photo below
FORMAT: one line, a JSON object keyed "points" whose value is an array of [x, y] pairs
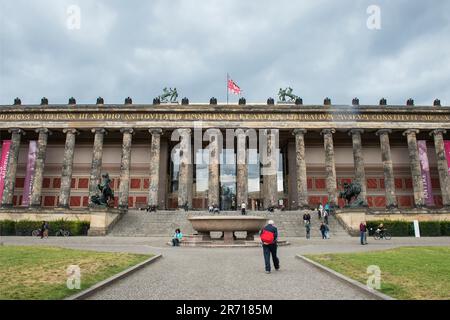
{"points": [[269, 167]]}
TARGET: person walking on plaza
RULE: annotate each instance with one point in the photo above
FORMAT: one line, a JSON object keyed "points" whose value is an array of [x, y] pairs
{"points": [[319, 211], [308, 230], [243, 207], [177, 237], [363, 232], [323, 230], [269, 237], [44, 230]]}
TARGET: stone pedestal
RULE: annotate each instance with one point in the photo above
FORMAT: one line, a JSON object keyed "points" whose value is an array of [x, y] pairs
{"points": [[102, 220]]}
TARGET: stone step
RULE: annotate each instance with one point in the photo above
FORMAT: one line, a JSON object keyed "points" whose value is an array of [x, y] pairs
{"points": [[163, 223]]}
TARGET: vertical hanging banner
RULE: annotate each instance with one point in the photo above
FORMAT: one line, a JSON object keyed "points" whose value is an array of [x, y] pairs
{"points": [[447, 153], [6, 146], [425, 170], [32, 149]]}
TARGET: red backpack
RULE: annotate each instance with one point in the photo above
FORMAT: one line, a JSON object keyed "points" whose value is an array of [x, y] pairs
{"points": [[267, 237]]}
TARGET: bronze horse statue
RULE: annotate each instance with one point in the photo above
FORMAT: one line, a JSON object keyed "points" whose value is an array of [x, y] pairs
{"points": [[106, 197], [351, 192]]}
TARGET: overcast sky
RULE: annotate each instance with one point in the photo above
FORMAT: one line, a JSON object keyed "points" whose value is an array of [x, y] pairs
{"points": [[135, 48]]}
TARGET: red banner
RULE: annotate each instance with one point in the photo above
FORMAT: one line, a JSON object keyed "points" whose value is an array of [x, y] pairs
{"points": [[425, 169], [447, 153], [6, 146], [29, 177]]}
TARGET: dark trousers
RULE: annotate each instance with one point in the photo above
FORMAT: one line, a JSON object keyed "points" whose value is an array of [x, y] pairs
{"points": [[175, 242], [268, 250], [243, 211]]}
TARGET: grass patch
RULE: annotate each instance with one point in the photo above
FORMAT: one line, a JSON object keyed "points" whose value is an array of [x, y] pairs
{"points": [[407, 273], [40, 272]]}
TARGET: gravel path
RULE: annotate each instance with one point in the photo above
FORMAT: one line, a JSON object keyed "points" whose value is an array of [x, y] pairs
{"points": [[228, 273]]}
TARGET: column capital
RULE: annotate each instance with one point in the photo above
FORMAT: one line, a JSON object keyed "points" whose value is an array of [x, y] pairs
{"points": [[43, 130], [184, 130], [299, 131], [438, 131], [99, 130], [71, 130], [155, 131], [328, 131], [383, 131], [355, 131], [409, 131], [16, 131], [241, 131], [127, 130]]}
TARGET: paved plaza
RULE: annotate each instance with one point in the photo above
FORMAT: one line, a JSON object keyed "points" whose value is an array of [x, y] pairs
{"points": [[228, 273]]}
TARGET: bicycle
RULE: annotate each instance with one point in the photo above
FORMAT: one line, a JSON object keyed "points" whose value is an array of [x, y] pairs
{"points": [[379, 235], [62, 233]]}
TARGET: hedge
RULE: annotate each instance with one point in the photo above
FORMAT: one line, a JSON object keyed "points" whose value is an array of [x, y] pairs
{"points": [[406, 228], [26, 227]]}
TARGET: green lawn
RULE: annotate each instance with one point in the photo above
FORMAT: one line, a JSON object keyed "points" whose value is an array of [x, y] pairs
{"points": [[40, 272], [406, 273]]}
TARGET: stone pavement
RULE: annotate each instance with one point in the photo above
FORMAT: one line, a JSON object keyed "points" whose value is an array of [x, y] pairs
{"points": [[201, 273]]}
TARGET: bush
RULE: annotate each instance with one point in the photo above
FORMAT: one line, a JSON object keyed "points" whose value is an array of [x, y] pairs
{"points": [[7, 228], [395, 228], [430, 229], [445, 228], [406, 229], [26, 227]]}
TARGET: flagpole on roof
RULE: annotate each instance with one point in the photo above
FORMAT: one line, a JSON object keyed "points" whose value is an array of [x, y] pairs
{"points": [[228, 79]]}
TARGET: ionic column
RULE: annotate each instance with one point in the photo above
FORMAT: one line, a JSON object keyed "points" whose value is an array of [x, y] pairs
{"points": [[214, 136], [155, 159], [300, 161], [270, 170], [241, 168], [67, 168], [330, 166], [10, 176], [442, 165], [96, 164], [184, 193], [416, 172], [36, 187], [358, 158], [124, 187], [389, 183]]}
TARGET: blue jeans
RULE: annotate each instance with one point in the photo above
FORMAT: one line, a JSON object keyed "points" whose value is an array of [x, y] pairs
{"points": [[268, 250], [362, 236]]}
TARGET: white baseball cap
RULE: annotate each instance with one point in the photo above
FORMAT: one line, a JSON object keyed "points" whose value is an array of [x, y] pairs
{"points": [[271, 222]]}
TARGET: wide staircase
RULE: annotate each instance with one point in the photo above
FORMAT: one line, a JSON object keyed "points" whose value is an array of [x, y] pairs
{"points": [[138, 223]]}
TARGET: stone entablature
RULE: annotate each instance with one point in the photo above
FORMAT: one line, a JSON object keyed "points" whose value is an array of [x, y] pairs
{"points": [[254, 116]]}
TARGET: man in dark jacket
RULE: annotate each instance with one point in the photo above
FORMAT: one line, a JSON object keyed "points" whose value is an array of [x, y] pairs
{"points": [[362, 233], [271, 248]]}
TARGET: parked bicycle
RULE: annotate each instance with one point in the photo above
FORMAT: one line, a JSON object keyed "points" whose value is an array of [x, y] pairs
{"points": [[377, 235], [62, 233], [36, 233]]}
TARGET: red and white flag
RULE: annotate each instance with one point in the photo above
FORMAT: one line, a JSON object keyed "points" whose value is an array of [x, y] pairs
{"points": [[233, 87]]}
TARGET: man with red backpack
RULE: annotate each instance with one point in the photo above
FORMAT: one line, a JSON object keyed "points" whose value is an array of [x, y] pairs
{"points": [[269, 236]]}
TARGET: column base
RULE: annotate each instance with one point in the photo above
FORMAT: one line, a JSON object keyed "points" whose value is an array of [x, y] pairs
{"points": [[63, 206]]}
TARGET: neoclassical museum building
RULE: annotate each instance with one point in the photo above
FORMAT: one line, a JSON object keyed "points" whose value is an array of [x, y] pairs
{"points": [[53, 155]]}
